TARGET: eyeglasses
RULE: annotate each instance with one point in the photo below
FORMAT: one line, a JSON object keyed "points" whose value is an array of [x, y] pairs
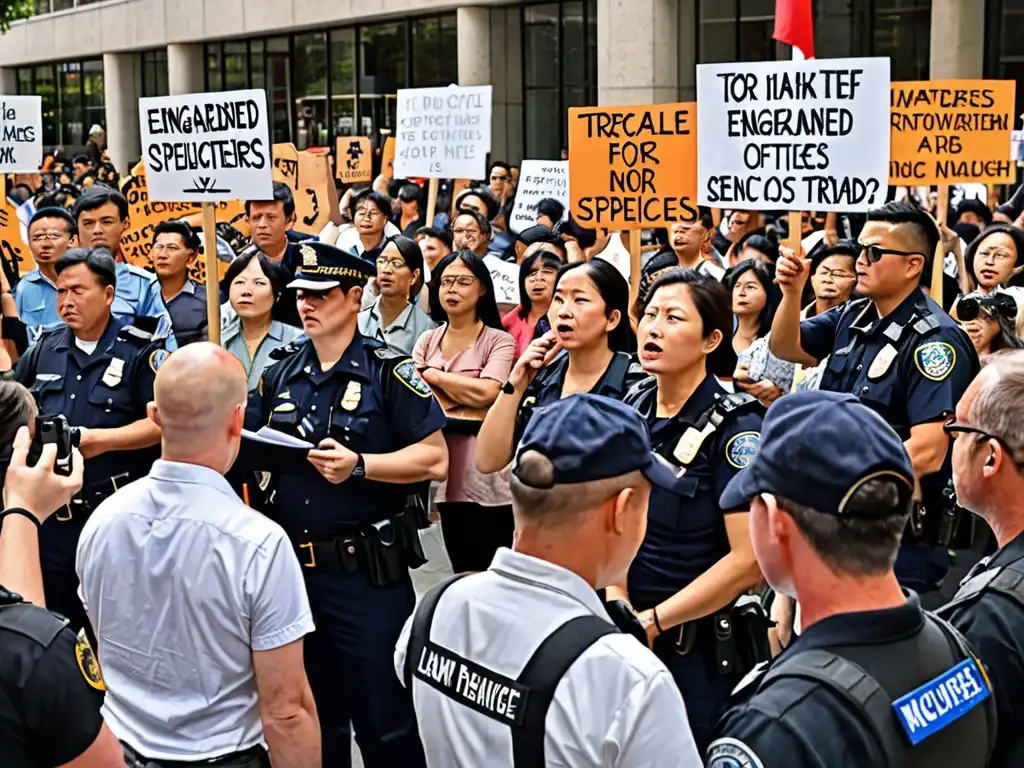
{"points": [[395, 264], [835, 274], [367, 213], [996, 256], [51, 235], [463, 281], [874, 253], [953, 428]]}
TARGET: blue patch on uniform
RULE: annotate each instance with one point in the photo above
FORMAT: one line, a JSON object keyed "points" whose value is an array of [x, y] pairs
{"points": [[157, 358], [406, 373], [935, 360], [732, 753], [941, 701], [742, 448]]}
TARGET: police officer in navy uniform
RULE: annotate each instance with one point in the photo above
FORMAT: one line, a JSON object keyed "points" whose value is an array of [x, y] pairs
{"points": [[696, 559], [988, 449], [902, 355], [98, 373], [872, 680], [377, 428]]}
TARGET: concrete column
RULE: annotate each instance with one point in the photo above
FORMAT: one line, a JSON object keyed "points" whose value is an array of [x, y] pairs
{"points": [[957, 39], [122, 75], [473, 27], [184, 68], [8, 81], [637, 51]]}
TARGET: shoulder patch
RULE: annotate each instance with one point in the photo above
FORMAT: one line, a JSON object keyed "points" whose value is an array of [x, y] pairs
{"points": [[732, 753], [406, 373], [88, 663], [742, 448], [935, 360], [157, 358]]}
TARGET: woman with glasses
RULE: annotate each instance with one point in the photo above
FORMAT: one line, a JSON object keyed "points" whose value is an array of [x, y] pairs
{"points": [[465, 361], [537, 276], [989, 321], [991, 261], [370, 212], [393, 317], [585, 351]]}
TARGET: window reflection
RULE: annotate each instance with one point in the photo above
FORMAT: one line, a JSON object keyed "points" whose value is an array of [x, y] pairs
{"points": [[343, 82], [311, 90], [382, 73], [70, 84], [94, 113], [154, 72]]}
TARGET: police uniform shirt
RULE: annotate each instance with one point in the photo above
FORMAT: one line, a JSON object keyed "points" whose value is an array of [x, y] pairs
{"points": [[369, 401], [136, 294], [188, 314], [51, 690], [994, 625], [686, 529], [799, 723], [36, 300], [617, 705], [182, 583]]}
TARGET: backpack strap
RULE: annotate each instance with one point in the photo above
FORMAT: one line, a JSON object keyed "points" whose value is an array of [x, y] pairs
{"points": [[1006, 581], [419, 633], [541, 676]]}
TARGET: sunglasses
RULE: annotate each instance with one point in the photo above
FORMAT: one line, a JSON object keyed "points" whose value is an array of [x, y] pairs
{"points": [[874, 253]]}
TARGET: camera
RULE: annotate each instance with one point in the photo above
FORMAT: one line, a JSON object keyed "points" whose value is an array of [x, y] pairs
{"points": [[995, 305], [55, 430]]}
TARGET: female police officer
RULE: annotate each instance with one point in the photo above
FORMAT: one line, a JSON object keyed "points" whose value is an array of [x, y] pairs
{"points": [[696, 558], [590, 321]]}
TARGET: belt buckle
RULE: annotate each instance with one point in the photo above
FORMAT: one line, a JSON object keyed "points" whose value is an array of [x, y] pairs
{"points": [[312, 554]]}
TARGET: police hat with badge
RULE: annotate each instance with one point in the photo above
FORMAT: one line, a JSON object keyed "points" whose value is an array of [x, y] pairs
{"points": [[323, 267]]}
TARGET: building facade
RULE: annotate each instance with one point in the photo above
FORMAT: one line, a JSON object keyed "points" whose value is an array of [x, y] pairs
{"points": [[333, 69]]}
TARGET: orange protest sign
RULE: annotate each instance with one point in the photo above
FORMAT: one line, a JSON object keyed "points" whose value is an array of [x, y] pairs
{"points": [[951, 132], [286, 164], [387, 158], [355, 159], [633, 167], [13, 249], [312, 199]]}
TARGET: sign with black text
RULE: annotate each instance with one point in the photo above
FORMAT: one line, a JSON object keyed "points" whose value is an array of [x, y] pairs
{"points": [[793, 135], [539, 179], [21, 134], [205, 147], [443, 133]]}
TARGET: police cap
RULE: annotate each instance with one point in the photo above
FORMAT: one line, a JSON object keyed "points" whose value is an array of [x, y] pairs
{"points": [[322, 267]]}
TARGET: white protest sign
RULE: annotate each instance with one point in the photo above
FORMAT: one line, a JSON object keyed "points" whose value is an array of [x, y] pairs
{"points": [[21, 134], [617, 254], [539, 179], [798, 136], [443, 133], [505, 276], [205, 147]]}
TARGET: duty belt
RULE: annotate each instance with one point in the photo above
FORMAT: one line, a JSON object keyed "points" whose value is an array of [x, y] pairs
{"points": [[254, 757], [90, 497]]}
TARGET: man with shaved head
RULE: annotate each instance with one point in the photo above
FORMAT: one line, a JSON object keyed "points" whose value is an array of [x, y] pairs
{"points": [[197, 601]]}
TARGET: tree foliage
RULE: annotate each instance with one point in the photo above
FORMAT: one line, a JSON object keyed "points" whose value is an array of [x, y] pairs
{"points": [[13, 10]]}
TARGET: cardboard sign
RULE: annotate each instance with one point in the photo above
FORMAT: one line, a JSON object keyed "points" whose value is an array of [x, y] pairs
{"points": [[312, 198], [206, 147], [443, 133], [355, 159], [286, 165], [144, 214], [13, 249], [539, 179], [21, 134], [617, 254], [794, 135], [633, 167], [387, 158], [505, 276], [951, 131]]}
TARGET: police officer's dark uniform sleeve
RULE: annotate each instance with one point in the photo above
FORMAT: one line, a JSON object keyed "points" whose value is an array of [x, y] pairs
{"points": [[740, 441], [412, 411], [149, 362], [62, 699], [255, 408], [938, 371], [818, 333]]}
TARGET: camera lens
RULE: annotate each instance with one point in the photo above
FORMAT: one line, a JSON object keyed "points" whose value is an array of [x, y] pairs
{"points": [[968, 308]]}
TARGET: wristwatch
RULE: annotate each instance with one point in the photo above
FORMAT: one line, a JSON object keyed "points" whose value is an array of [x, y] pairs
{"points": [[360, 468]]}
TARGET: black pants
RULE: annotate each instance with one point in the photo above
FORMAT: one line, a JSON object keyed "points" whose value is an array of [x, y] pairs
{"points": [[472, 533]]}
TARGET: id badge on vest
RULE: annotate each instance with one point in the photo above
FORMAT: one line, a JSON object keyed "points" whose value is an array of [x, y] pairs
{"points": [[114, 373], [883, 362]]}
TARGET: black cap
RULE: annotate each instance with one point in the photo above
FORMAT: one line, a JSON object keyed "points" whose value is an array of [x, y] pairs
{"points": [[324, 266], [590, 437]]}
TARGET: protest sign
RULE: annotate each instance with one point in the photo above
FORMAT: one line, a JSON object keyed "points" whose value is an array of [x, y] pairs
{"points": [[286, 164], [505, 276], [21, 134], [633, 167], [387, 158], [443, 133], [312, 198], [354, 158], [13, 248], [951, 131], [794, 135], [205, 147], [539, 179]]}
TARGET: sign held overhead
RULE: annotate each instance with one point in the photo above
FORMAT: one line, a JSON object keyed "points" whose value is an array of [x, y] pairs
{"points": [[810, 135], [21, 134], [205, 147], [443, 133], [539, 179]]}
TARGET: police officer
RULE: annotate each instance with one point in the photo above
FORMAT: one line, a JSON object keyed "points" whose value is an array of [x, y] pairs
{"points": [[175, 249], [696, 559], [988, 448], [521, 665], [377, 429], [901, 354], [873, 680], [51, 688], [98, 373]]}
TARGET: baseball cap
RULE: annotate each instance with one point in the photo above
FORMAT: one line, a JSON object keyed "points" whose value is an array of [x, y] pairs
{"points": [[589, 437], [324, 266], [816, 449]]}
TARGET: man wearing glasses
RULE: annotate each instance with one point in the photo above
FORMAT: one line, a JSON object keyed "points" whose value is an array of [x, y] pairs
{"points": [[51, 232], [901, 354]]}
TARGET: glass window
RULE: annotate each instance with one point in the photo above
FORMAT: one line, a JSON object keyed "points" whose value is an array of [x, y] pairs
{"points": [[25, 82], [279, 88], [236, 66], [311, 90], [154, 73], [1005, 46], [45, 86], [62, 5], [40, 7], [902, 31], [95, 112], [435, 52], [70, 89], [343, 82], [213, 69], [381, 74], [257, 64]]}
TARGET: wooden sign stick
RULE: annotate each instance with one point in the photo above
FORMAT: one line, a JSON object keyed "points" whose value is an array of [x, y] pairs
{"points": [[431, 201], [935, 289], [634, 236], [942, 206], [795, 233], [212, 272]]}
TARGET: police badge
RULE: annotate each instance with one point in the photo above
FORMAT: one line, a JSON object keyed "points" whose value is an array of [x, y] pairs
{"points": [[308, 256], [742, 448], [935, 360]]}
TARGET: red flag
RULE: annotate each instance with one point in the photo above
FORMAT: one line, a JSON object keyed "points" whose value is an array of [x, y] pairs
{"points": [[794, 25]]}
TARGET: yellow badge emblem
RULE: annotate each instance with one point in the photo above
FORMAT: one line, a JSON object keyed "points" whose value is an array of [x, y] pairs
{"points": [[308, 256], [353, 393], [88, 663]]}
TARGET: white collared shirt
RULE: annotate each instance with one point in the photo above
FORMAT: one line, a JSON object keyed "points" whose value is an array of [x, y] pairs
{"points": [[182, 582], [617, 705]]}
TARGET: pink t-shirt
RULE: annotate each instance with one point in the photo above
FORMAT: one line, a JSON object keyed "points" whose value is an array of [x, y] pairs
{"points": [[490, 357], [522, 330]]}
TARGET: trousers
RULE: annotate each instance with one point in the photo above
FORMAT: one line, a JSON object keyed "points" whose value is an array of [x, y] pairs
{"points": [[704, 690]]}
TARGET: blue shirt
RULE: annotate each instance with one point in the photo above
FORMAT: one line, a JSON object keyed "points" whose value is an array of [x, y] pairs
{"points": [[187, 311], [36, 299], [233, 341]]}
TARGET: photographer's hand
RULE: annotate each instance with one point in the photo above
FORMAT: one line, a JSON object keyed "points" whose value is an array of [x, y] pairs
{"points": [[39, 489]]}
